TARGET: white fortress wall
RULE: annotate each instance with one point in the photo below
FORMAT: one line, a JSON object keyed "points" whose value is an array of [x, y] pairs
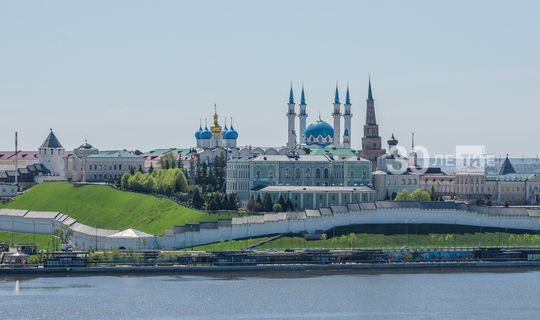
{"points": [[86, 237]]}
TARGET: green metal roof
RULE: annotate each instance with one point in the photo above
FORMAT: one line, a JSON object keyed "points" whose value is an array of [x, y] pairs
{"points": [[173, 150], [509, 177], [114, 154], [336, 151]]}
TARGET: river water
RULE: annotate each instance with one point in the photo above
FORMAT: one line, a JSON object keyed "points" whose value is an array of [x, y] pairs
{"points": [[472, 295]]}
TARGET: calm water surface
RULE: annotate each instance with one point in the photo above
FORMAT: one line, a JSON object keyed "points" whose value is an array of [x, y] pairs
{"points": [[298, 296]]}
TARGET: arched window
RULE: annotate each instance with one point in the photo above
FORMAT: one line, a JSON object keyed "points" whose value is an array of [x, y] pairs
{"points": [[320, 139], [258, 174], [364, 175], [352, 174], [298, 173], [318, 173], [308, 173], [327, 139], [287, 173], [326, 173]]}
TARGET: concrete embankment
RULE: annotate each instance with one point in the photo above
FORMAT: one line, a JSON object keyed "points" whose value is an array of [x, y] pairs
{"points": [[360, 267]]}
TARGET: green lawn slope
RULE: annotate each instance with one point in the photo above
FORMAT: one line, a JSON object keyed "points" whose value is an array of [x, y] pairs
{"points": [[105, 207]]}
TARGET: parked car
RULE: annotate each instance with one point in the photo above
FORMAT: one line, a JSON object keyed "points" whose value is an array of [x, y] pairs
{"points": [[66, 247]]}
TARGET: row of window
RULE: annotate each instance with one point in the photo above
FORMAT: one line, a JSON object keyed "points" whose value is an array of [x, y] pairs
{"points": [[307, 173], [44, 151], [104, 167]]}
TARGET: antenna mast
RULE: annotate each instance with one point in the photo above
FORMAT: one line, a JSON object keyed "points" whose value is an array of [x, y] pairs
{"points": [[16, 159]]}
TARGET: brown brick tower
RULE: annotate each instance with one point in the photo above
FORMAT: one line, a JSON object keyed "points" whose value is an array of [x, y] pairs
{"points": [[371, 142]]}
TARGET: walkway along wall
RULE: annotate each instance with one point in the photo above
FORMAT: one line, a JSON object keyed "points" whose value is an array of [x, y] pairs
{"points": [[383, 212]]}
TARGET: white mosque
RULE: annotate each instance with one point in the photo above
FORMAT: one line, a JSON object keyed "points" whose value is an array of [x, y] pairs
{"points": [[319, 134]]}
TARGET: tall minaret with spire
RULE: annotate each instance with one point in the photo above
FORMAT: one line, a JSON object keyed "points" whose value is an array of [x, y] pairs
{"points": [[291, 115], [347, 115], [371, 142], [337, 119], [302, 116]]}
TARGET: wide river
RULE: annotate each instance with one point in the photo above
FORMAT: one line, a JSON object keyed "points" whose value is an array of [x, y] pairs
{"points": [[471, 295]]}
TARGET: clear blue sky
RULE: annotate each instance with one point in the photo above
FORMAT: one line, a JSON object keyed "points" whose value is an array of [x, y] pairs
{"points": [[140, 74]]}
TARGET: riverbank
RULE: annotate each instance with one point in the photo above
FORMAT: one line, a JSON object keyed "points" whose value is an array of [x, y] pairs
{"points": [[361, 267]]}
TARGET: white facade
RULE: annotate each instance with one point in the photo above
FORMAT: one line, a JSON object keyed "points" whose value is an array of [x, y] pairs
{"points": [[8, 190], [88, 164], [51, 155]]}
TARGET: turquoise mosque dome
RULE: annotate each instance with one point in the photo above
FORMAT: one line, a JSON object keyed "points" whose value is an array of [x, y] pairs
{"points": [[231, 134], [206, 134], [319, 128], [319, 133]]}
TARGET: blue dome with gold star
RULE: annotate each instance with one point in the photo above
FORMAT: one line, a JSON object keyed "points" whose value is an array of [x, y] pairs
{"points": [[198, 133], [230, 134], [206, 134]]}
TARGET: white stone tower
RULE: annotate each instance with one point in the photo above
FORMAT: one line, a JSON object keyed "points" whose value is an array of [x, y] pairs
{"points": [[51, 155], [303, 116], [337, 119], [347, 115], [291, 141]]}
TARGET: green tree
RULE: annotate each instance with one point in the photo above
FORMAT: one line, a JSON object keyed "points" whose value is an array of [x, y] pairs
{"points": [[352, 239], [213, 205], [258, 203], [420, 195], [267, 203], [197, 200], [290, 204], [168, 161], [277, 208], [63, 234], [124, 180], [433, 194], [403, 195], [283, 203]]}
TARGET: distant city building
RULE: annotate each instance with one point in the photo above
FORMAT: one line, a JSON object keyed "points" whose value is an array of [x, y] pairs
{"points": [[509, 186], [248, 174], [393, 174], [442, 183], [312, 197], [8, 190], [470, 184], [88, 164]]}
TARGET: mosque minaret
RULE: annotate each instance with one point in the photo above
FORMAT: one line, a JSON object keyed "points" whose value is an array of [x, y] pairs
{"points": [[302, 116], [291, 115], [337, 119]]}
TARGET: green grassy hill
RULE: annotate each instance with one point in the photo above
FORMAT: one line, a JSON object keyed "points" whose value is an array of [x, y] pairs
{"points": [[105, 207]]}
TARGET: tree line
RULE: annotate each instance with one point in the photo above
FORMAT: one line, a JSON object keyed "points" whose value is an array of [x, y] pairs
{"points": [[267, 205], [163, 181]]}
